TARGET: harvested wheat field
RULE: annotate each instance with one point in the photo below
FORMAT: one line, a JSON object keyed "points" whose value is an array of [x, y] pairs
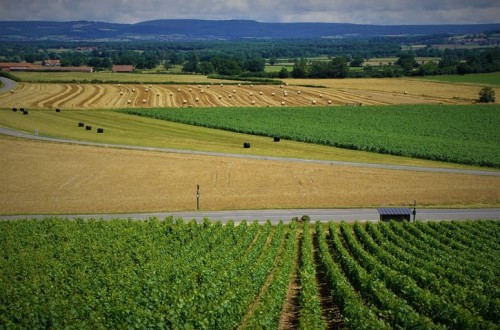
{"points": [[334, 92], [42, 177]]}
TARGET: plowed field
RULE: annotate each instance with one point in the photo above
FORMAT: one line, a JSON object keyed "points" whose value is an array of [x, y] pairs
{"points": [[328, 92]]}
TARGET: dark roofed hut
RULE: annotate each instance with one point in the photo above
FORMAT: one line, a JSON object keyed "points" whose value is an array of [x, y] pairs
{"points": [[398, 214]]}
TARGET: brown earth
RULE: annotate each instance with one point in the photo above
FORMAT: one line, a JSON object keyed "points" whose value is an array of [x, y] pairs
{"points": [[42, 177]]}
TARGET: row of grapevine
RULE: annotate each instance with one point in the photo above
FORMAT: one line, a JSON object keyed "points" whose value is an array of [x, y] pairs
{"points": [[176, 274]]}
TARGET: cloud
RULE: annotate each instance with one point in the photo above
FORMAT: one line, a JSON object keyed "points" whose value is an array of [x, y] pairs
{"points": [[388, 12]]}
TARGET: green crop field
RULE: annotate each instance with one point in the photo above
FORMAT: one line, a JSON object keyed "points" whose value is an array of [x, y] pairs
{"points": [[458, 134], [492, 79], [173, 274]]}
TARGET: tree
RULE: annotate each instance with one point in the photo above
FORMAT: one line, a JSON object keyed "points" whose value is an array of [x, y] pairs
{"points": [[407, 62], [284, 73], [487, 95], [357, 61], [300, 69]]}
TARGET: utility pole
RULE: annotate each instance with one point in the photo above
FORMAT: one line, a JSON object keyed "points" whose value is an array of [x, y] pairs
{"points": [[414, 209], [197, 197]]}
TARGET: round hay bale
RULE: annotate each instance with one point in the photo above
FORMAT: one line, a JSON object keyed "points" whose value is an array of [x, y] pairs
{"points": [[58, 110], [239, 85], [277, 138], [197, 99], [273, 93], [260, 93], [253, 102], [251, 85], [14, 109], [221, 85], [129, 101], [143, 100], [405, 92], [157, 94], [229, 96], [246, 145], [25, 112], [298, 92], [234, 91], [184, 101], [251, 94], [121, 93], [100, 130], [88, 128], [190, 89], [219, 97], [281, 86], [320, 96], [147, 90], [202, 91], [329, 101], [21, 109], [12, 91], [208, 86], [282, 102], [171, 94], [178, 89], [133, 89], [313, 101], [199, 86], [80, 124]]}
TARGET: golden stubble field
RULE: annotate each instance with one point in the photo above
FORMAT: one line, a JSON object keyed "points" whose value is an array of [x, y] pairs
{"points": [[43, 177], [333, 92]]}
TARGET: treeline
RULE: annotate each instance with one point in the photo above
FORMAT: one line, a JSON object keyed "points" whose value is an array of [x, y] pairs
{"points": [[248, 58]]}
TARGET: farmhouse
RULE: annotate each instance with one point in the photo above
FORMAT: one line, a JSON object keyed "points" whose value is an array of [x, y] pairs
{"points": [[51, 63], [122, 68]]}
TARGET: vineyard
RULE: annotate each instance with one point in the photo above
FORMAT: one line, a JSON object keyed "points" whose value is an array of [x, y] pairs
{"points": [[458, 133], [176, 274]]}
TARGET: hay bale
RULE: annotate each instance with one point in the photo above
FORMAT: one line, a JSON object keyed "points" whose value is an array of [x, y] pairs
{"points": [[178, 89], [133, 89], [298, 92], [260, 93], [197, 99], [14, 109], [121, 93], [147, 90], [58, 110], [273, 94], [405, 92], [320, 96], [184, 101], [277, 138], [253, 102], [157, 94], [129, 101], [282, 102], [88, 128], [329, 101], [189, 89], [80, 124], [100, 130], [313, 102], [246, 145], [143, 100]]}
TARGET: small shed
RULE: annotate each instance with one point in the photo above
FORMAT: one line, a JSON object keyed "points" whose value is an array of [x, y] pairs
{"points": [[394, 213]]}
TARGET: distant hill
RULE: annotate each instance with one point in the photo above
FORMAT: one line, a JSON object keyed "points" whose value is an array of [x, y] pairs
{"points": [[185, 29]]}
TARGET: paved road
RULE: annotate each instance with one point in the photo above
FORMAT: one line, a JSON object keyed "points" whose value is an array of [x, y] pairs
{"points": [[7, 84], [10, 132], [286, 215]]}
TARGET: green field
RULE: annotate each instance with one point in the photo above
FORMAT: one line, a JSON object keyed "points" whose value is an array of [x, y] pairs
{"points": [[173, 274], [458, 134], [492, 79]]}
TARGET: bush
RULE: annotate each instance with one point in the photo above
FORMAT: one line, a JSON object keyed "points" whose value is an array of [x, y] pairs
{"points": [[486, 95]]}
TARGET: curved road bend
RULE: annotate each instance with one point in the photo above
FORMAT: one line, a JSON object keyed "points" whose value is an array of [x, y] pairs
{"points": [[285, 215], [8, 84], [14, 133]]}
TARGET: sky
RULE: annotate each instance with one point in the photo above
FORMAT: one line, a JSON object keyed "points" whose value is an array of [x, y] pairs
{"points": [[384, 12]]}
